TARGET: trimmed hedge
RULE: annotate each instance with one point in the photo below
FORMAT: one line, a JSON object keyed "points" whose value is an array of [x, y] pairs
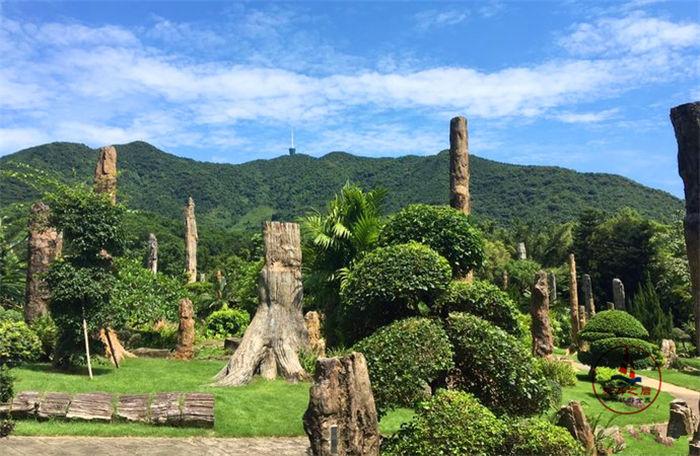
{"points": [[227, 322], [497, 368], [613, 323], [451, 423], [18, 343], [403, 358], [388, 284], [442, 228], [482, 299], [610, 352], [536, 436]]}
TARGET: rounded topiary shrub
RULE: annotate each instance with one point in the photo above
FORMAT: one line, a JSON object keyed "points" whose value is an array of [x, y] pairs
{"points": [[451, 423], [227, 322], [403, 358], [536, 436], [496, 367], [613, 323], [446, 230], [388, 284], [482, 299], [18, 343]]}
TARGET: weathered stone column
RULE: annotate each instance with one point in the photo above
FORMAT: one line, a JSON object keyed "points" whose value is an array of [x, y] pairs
{"points": [[573, 299], [185, 332], [582, 320], [686, 124], [521, 251], [542, 340], [459, 165], [317, 344], [106, 172], [552, 288], [44, 245], [618, 294], [152, 253], [574, 420], [341, 418], [588, 296], [191, 239]]}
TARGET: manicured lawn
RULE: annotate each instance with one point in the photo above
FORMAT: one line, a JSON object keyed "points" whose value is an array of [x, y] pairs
{"points": [[677, 378], [263, 408], [647, 446]]}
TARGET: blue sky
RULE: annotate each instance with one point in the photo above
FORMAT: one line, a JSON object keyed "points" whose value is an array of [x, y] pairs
{"points": [[581, 85]]}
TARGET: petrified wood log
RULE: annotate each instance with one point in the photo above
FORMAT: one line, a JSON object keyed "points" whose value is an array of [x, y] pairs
{"points": [[185, 331], [198, 410], [25, 404], [106, 172], [573, 299], [53, 405], [91, 407], [459, 165], [542, 340], [191, 238], [133, 407], [165, 409], [574, 420]]}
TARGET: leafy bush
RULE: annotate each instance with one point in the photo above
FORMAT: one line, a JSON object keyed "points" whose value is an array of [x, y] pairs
{"points": [[227, 322], [613, 323], [451, 423], [10, 315], [604, 374], [47, 332], [616, 351], [161, 336], [403, 358], [535, 436], [388, 284], [520, 274], [18, 343], [482, 299], [496, 367], [560, 372], [442, 228], [6, 384]]}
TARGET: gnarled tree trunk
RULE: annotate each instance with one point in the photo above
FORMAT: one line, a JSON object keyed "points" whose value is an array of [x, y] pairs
{"points": [[273, 339]]}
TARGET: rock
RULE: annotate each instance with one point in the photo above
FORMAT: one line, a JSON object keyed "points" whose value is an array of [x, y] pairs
{"points": [[90, 407], [165, 409], [573, 300], [106, 172], [682, 419], [635, 402], [588, 300], [152, 263], [552, 288], [618, 294], [198, 410], [133, 407], [459, 165], [191, 239], [317, 344], [341, 418], [520, 251], [185, 332], [53, 405], [668, 349], [44, 245], [574, 420], [231, 344], [146, 352], [542, 340]]}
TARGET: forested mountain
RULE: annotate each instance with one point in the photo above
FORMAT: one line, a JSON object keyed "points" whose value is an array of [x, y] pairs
{"points": [[285, 187]]}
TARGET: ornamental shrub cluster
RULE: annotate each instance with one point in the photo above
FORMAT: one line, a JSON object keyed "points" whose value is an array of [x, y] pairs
{"points": [[18, 343], [482, 299], [6, 394], [390, 283], [403, 359], [227, 322], [496, 368], [560, 372], [536, 436], [442, 228]]}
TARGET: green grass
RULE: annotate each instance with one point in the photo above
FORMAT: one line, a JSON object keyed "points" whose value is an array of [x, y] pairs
{"points": [[677, 378], [647, 446], [262, 408]]}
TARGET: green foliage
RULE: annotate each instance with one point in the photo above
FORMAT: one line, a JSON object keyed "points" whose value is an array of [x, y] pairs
{"points": [[496, 258], [47, 332], [560, 372], [227, 322], [482, 299], [388, 284], [403, 358], [520, 277], [6, 384], [18, 343], [442, 228], [613, 323], [11, 315], [646, 307], [12, 269], [160, 336], [496, 367], [617, 351], [560, 320], [604, 374], [451, 423], [536, 436]]}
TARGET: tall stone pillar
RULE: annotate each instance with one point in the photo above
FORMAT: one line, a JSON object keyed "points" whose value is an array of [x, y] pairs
{"points": [[185, 331], [152, 253], [552, 288], [686, 124], [43, 246], [618, 294], [191, 239], [542, 340], [582, 320], [573, 299], [521, 251], [459, 165], [588, 296], [106, 172]]}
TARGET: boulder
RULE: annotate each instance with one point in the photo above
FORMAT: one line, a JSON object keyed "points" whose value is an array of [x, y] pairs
{"points": [[682, 419], [668, 349], [573, 418]]}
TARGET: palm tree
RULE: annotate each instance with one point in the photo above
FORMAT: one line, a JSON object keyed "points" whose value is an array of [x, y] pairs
{"points": [[334, 240]]}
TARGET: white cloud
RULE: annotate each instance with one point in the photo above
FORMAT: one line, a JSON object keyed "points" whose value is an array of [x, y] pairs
{"points": [[13, 139], [428, 19], [586, 117]]}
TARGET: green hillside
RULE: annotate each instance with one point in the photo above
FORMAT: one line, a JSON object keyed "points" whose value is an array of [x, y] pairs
{"points": [[282, 188]]}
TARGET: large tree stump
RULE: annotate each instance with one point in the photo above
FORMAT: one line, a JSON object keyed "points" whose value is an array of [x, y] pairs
{"points": [[542, 340], [573, 300], [273, 339], [44, 245], [459, 165], [120, 353], [185, 332], [191, 239], [574, 420], [686, 124], [342, 418], [106, 172]]}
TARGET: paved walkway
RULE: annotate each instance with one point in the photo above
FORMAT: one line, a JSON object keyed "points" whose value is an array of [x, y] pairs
{"points": [[150, 446]]}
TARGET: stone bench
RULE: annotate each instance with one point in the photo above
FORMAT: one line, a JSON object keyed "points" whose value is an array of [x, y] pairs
{"points": [[170, 409]]}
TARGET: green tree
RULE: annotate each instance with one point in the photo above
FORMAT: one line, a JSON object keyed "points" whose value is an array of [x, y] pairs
{"points": [[12, 269], [646, 307]]}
